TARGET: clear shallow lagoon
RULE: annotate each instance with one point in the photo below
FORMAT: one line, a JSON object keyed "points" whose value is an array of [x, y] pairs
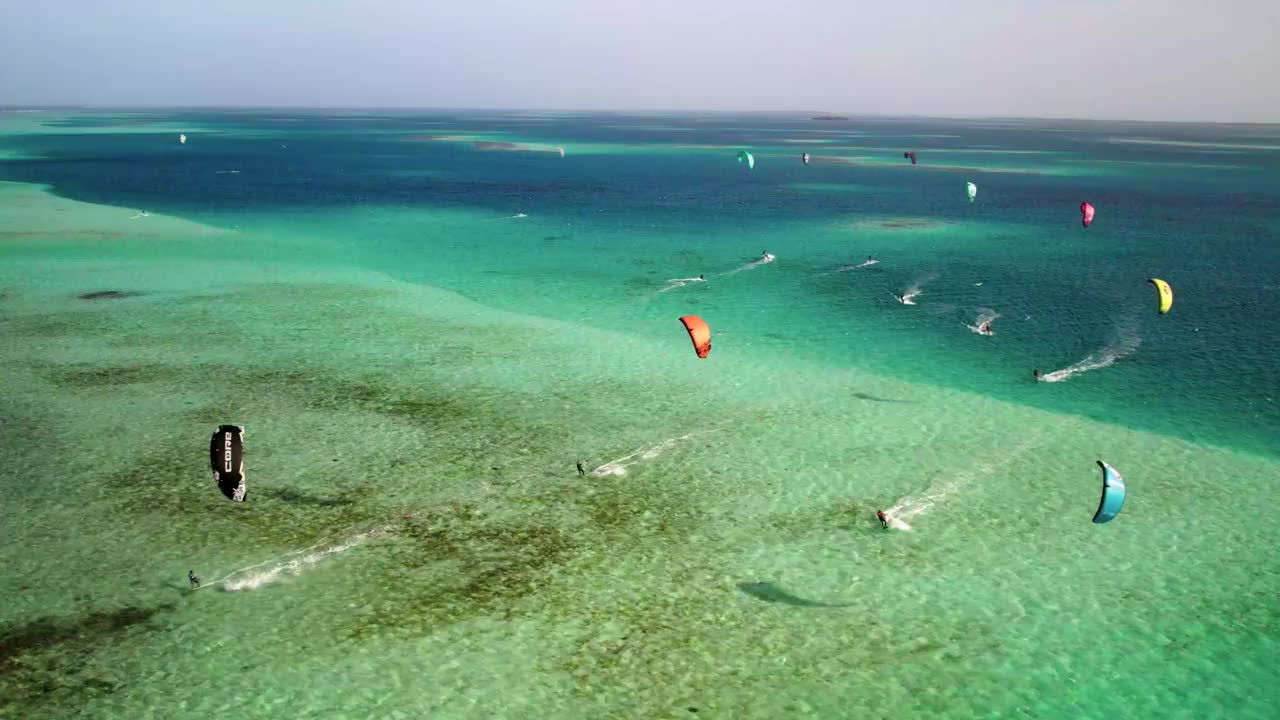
{"points": [[418, 369]]}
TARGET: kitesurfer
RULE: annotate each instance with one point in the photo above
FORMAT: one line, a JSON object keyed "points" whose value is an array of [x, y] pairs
{"points": [[195, 581], [701, 278], [1036, 374], [581, 472], [883, 518], [985, 328]]}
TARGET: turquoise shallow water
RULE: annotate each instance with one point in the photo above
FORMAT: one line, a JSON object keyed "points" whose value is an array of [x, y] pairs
{"points": [[418, 370], [639, 200]]}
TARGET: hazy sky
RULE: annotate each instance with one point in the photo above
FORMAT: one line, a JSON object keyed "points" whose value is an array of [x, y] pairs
{"points": [[1140, 59]]}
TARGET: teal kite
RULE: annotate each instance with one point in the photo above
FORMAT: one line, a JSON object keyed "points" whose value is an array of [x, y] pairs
{"points": [[1112, 494]]}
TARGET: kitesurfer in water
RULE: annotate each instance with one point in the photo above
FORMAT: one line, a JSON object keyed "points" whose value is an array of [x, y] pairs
{"points": [[195, 581], [985, 328], [581, 472], [1036, 374], [883, 518], [701, 278]]}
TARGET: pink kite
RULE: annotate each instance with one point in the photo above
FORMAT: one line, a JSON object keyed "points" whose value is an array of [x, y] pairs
{"points": [[1087, 211]]}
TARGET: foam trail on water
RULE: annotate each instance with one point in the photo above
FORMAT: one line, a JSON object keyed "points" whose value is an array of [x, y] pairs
{"points": [[985, 315], [291, 564], [847, 268], [913, 505], [618, 468], [916, 288], [752, 265], [674, 283], [944, 489], [1123, 346]]}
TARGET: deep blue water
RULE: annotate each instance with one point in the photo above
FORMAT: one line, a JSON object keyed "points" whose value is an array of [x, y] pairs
{"points": [[1204, 215]]}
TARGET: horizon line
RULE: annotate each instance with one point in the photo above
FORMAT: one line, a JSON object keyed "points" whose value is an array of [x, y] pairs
{"points": [[812, 114]]}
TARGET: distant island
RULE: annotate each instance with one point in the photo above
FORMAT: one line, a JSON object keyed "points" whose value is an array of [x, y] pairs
{"points": [[828, 117]]}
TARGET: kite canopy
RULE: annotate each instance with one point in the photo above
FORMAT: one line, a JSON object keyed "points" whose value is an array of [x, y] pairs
{"points": [[226, 455], [971, 189], [805, 158], [1166, 294], [910, 154], [1112, 494], [744, 156], [561, 151], [1086, 212], [699, 333], [182, 139]]}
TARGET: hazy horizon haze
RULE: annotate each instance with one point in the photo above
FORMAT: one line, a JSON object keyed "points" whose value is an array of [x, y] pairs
{"points": [[1095, 59]]}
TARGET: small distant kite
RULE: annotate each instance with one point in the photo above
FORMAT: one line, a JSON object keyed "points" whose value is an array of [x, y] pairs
{"points": [[1166, 294], [910, 154], [699, 333], [972, 190], [182, 139], [226, 454], [805, 158], [1112, 494], [745, 157], [1086, 212], [561, 150]]}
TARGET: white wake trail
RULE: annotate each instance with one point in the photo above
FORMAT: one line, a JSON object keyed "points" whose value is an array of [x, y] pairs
{"points": [[618, 468], [291, 564], [941, 491], [985, 315], [1123, 346]]}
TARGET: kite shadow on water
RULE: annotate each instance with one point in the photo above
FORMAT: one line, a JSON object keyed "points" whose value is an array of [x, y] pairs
{"points": [[109, 295], [297, 497], [873, 398], [770, 593]]}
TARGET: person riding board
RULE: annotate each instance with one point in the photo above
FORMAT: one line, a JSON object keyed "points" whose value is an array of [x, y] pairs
{"points": [[883, 518]]}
